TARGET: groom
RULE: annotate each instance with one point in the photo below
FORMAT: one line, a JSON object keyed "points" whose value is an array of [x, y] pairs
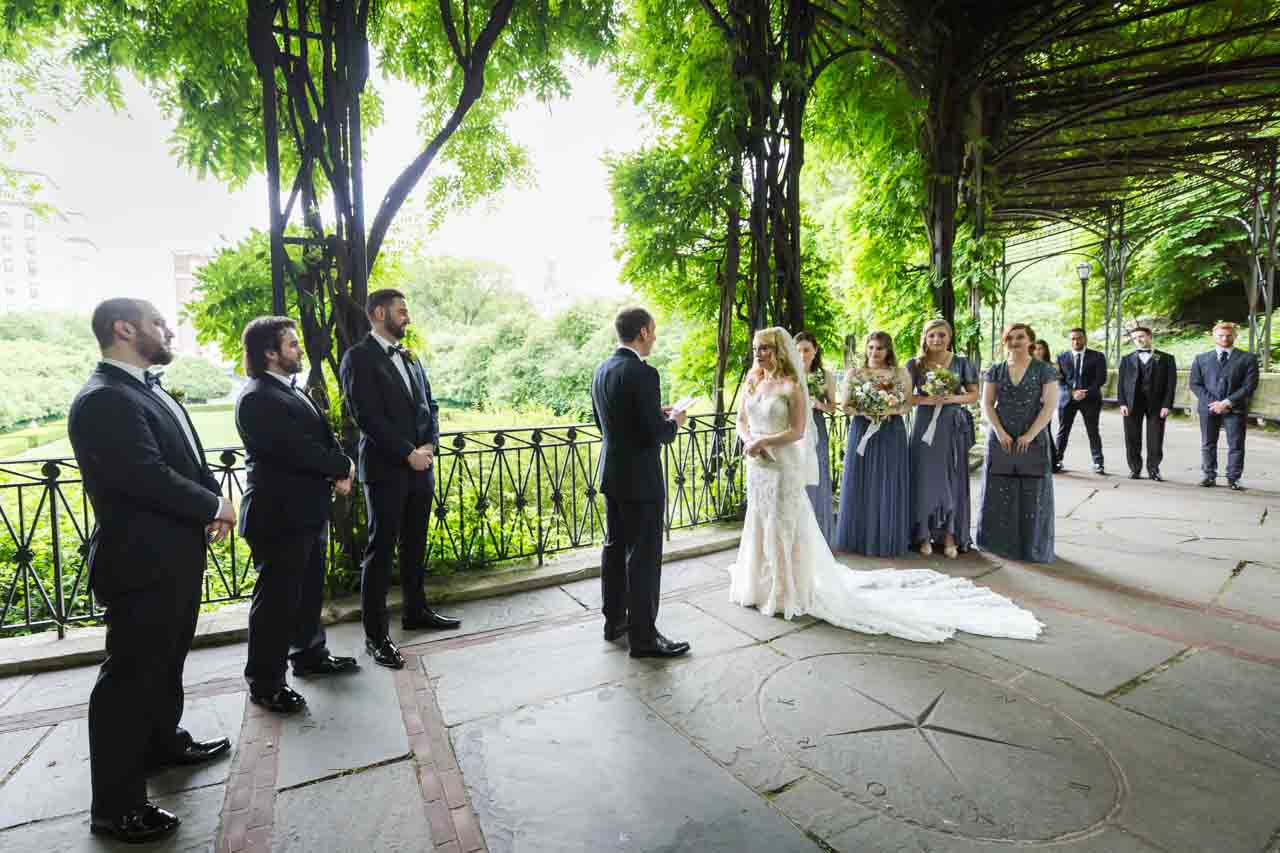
{"points": [[626, 399]]}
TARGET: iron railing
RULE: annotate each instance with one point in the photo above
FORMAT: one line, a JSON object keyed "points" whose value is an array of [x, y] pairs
{"points": [[501, 495]]}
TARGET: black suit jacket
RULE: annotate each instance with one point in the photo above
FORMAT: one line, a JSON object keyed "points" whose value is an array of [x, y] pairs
{"points": [[291, 459], [151, 495], [1093, 375], [626, 400], [392, 422], [1211, 382], [1164, 379]]}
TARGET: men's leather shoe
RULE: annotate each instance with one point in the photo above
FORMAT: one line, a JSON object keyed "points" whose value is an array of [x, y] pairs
{"points": [[385, 653], [1208, 482], [428, 620], [1155, 475], [1058, 469], [1099, 470], [325, 665], [1235, 485], [1135, 475], [195, 752], [660, 648], [613, 633], [143, 824], [283, 701]]}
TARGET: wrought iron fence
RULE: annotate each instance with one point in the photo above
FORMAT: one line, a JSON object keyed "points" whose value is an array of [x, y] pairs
{"points": [[501, 495]]}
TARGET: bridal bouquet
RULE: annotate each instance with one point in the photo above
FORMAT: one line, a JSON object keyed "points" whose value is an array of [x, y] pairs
{"points": [[874, 399], [937, 383], [817, 383]]}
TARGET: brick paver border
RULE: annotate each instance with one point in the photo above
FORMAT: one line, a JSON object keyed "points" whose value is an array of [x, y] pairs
{"points": [[454, 827], [248, 812]]}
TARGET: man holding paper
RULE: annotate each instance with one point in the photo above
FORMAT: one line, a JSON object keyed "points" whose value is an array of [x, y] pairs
{"points": [[626, 400]]}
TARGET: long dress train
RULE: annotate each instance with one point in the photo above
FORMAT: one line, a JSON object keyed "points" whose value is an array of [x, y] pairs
{"points": [[784, 565]]}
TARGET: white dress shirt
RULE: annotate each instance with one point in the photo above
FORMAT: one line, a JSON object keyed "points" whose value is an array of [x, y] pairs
{"points": [[1144, 356], [397, 359], [178, 412]]}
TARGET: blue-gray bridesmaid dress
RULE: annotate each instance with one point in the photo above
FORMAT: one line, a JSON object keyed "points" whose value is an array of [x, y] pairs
{"points": [[875, 488], [940, 471], [820, 495]]}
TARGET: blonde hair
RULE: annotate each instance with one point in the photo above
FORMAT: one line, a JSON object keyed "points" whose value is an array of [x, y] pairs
{"points": [[929, 326], [1226, 324], [781, 363]]}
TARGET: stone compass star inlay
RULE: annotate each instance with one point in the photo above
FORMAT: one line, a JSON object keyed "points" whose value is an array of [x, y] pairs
{"points": [[939, 747]]}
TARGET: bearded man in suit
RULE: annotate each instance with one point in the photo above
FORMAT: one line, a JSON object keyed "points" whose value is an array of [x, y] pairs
{"points": [[156, 504]]}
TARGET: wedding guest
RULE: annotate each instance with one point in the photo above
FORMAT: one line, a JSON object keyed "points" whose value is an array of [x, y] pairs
{"points": [[1223, 380], [875, 487], [293, 463], [822, 391], [1015, 519], [1081, 374], [1148, 378], [156, 504], [1041, 351], [387, 390], [941, 435]]}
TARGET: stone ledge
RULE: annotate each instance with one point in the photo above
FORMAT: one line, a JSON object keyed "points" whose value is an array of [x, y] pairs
{"points": [[230, 623]]}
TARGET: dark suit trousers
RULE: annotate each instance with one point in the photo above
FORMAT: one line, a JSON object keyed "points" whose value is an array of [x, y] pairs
{"points": [[397, 516], [1235, 425], [1066, 418], [136, 703], [1144, 418], [284, 621], [631, 566]]}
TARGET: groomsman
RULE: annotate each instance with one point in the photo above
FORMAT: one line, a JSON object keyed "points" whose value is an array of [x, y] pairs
{"points": [[1223, 380], [1146, 386], [156, 503], [389, 396], [292, 464], [1081, 374]]}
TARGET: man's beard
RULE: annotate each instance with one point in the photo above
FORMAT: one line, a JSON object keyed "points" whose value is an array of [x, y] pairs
{"points": [[155, 352], [397, 332], [290, 368]]}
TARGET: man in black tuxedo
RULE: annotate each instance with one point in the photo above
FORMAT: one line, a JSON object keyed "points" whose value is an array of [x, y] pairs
{"points": [[1148, 378], [388, 394], [1081, 374], [292, 464], [156, 503], [1223, 380], [626, 399]]}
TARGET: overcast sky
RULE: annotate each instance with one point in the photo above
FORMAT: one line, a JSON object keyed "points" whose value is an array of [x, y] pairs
{"points": [[141, 206]]}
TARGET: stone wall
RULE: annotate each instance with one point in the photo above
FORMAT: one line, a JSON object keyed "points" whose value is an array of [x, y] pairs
{"points": [[1265, 403]]}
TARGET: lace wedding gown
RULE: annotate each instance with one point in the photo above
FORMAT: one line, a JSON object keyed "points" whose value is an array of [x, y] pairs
{"points": [[784, 565]]}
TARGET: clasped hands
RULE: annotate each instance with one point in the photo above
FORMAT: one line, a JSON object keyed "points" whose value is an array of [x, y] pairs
{"points": [[220, 527], [343, 486], [678, 416], [1015, 445], [422, 458], [1124, 412], [1220, 407]]}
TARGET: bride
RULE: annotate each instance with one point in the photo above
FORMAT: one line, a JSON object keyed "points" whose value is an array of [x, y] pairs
{"points": [[784, 565]]}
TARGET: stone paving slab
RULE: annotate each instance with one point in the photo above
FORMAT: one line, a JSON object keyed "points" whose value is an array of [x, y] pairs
{"points": [[14, 746], [1124, 502], [1169, 573], [675, 576], [199, 810], [9, 687], [1184, 794], [483, 679], [374, 810], [1231, 702], [54, 781], [1255, 590], [350, 721], [599, 771], [488, 614], [748, 620], [713, 702], [1095, 656]]}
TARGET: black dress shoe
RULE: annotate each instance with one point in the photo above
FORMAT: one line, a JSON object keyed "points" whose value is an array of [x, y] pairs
{"points": [[385, 653], [1208, 482], [139, 826], [1099, 470], [428, 620], [326, 664], [1155, 475], [283, 701], [1135, 475], [1057, 468], [660, 648], [195, 752], [1235, 486], [613, 633]]}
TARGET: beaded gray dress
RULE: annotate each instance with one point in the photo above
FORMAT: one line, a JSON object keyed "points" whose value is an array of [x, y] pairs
{"points": [[1016, 516], [940, 471], [820, 495]]}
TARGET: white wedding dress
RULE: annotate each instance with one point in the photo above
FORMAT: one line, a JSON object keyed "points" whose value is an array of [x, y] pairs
{"points": [[784, 565]]}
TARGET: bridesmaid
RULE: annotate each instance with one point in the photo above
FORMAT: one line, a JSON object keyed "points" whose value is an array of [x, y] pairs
{"points": [[820, 495], [940, 470], [1040, 350], [1018, 399], [875, 488]]}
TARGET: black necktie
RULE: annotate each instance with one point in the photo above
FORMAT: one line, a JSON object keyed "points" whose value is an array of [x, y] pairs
{"points": [[1222, 357], [153, 380]]}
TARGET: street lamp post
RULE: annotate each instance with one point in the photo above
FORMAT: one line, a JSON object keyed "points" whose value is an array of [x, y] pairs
{"points": [[1083, 269]]}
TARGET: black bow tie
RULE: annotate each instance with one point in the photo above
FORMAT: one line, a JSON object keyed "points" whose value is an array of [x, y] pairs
{"points": [[153, 380], [1147, 351], [396, 349]]}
